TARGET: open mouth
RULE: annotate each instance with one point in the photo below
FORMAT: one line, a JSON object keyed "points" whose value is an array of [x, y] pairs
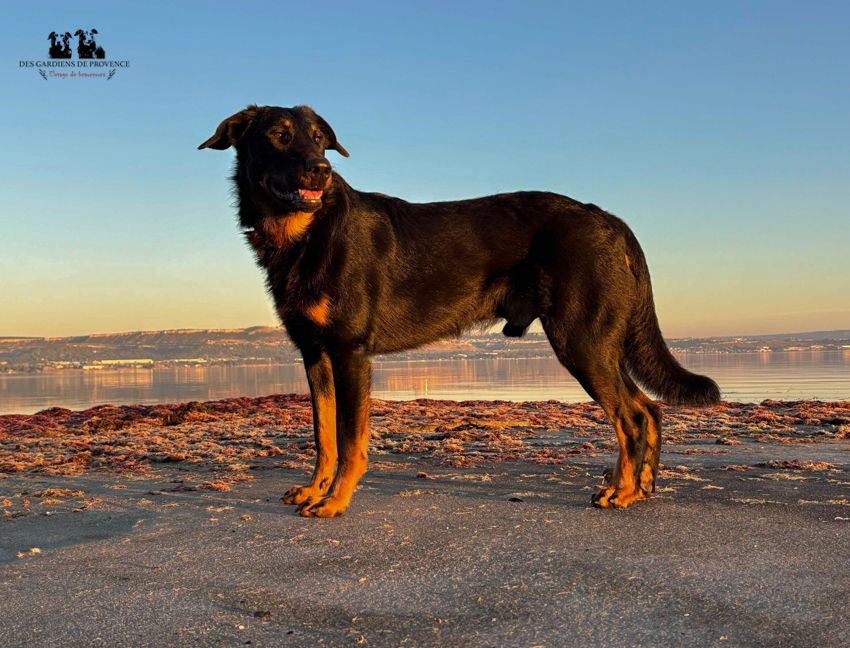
{"points": [[310, 194], [308, 198]]}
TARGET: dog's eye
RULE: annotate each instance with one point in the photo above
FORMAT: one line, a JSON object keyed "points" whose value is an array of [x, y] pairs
{"points": [[284, 137], [318, 137]]}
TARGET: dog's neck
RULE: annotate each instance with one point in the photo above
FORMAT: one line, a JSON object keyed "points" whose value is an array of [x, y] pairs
{"points": [[283, 231]]}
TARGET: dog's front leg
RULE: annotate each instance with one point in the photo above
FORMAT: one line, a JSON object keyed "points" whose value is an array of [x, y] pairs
{"points": [[321, 381], [352, 375]]}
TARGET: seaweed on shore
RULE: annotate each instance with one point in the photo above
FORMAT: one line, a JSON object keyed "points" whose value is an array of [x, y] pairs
{"points": [[232, 436]]}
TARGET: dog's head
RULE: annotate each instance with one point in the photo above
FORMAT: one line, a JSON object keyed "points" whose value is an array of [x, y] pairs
{"points": [[281, 163]]}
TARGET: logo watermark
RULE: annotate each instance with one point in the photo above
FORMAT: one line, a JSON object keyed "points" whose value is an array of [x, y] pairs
{"points": [[91, 61]]}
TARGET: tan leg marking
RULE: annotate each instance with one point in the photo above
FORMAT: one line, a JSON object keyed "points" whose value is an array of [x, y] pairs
{"points": [[325, 423], [649, 469], [622, 491], [351, 468], [320, 312], [324, 431]]}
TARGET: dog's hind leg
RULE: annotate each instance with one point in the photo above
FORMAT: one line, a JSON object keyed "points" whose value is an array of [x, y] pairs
{"points": [[649, 470], [352, 375], [630, 426], [320, 378], [595, 364]]}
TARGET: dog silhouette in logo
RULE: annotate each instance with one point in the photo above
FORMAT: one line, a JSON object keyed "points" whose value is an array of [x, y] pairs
{"points": [[86, 46], [55, 50], [59, 50], [66, 47]]}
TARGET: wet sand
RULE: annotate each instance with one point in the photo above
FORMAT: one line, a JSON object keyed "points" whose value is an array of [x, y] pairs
{"points": [[162, 525]]}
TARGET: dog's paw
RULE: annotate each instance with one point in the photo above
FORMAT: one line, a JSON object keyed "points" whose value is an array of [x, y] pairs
{"points": [[300, 494], [329, 506], [613, 497], [647, 480]]}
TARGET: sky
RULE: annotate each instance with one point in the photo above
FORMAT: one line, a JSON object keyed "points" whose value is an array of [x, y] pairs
{"points": [[719, 131]]}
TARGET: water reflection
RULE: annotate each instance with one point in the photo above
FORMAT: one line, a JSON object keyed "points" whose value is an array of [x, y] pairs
{"points": [[742, 377]]}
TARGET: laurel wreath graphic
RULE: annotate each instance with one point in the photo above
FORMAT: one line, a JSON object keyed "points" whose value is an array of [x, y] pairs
{"points": [[108, 76]]}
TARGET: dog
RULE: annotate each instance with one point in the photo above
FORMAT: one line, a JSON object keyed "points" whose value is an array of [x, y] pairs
{"points": [[355, 274]]}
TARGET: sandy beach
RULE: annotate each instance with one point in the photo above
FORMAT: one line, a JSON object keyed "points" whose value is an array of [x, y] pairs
{"points": [[157, 525]]}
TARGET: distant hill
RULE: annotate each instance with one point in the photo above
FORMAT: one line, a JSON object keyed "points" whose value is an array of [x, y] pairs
{"points": [[841, 334], [257, 344], [182, 344], [262, 344]]}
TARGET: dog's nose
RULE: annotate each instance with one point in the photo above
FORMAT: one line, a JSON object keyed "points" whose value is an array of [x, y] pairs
{"points": [[318, 169]]}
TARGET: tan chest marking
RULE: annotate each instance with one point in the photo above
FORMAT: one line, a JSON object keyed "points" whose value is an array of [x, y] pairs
{"points": [[320, 312], [282, 230]]}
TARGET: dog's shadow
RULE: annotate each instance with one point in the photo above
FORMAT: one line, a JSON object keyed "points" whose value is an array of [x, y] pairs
{"points": [[514, 483]]}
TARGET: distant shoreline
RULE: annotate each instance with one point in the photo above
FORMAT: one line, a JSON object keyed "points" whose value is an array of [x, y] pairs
{"points": [[259, 347], [135, 365]]}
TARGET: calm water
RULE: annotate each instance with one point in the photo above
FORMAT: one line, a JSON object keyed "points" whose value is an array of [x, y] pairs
{"points": [[754, 377]]}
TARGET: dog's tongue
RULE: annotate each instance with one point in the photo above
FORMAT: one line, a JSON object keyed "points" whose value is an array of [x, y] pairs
{"points": [[308, 194]]}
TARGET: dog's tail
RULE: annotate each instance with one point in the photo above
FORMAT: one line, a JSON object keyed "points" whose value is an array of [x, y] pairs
{"points": [[648, 359]]}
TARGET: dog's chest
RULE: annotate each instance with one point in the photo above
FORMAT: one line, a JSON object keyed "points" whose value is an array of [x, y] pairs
{"points": [[295, 286]]}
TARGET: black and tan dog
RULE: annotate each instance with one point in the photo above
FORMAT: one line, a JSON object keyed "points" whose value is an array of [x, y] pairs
{"points": [[355, 274]]}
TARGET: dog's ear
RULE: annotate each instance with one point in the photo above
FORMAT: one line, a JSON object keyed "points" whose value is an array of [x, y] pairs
{"points": [[329, 133], [231, 130]]}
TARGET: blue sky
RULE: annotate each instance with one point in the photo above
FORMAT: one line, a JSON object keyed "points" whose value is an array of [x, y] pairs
{"points": [[719, 131]]}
